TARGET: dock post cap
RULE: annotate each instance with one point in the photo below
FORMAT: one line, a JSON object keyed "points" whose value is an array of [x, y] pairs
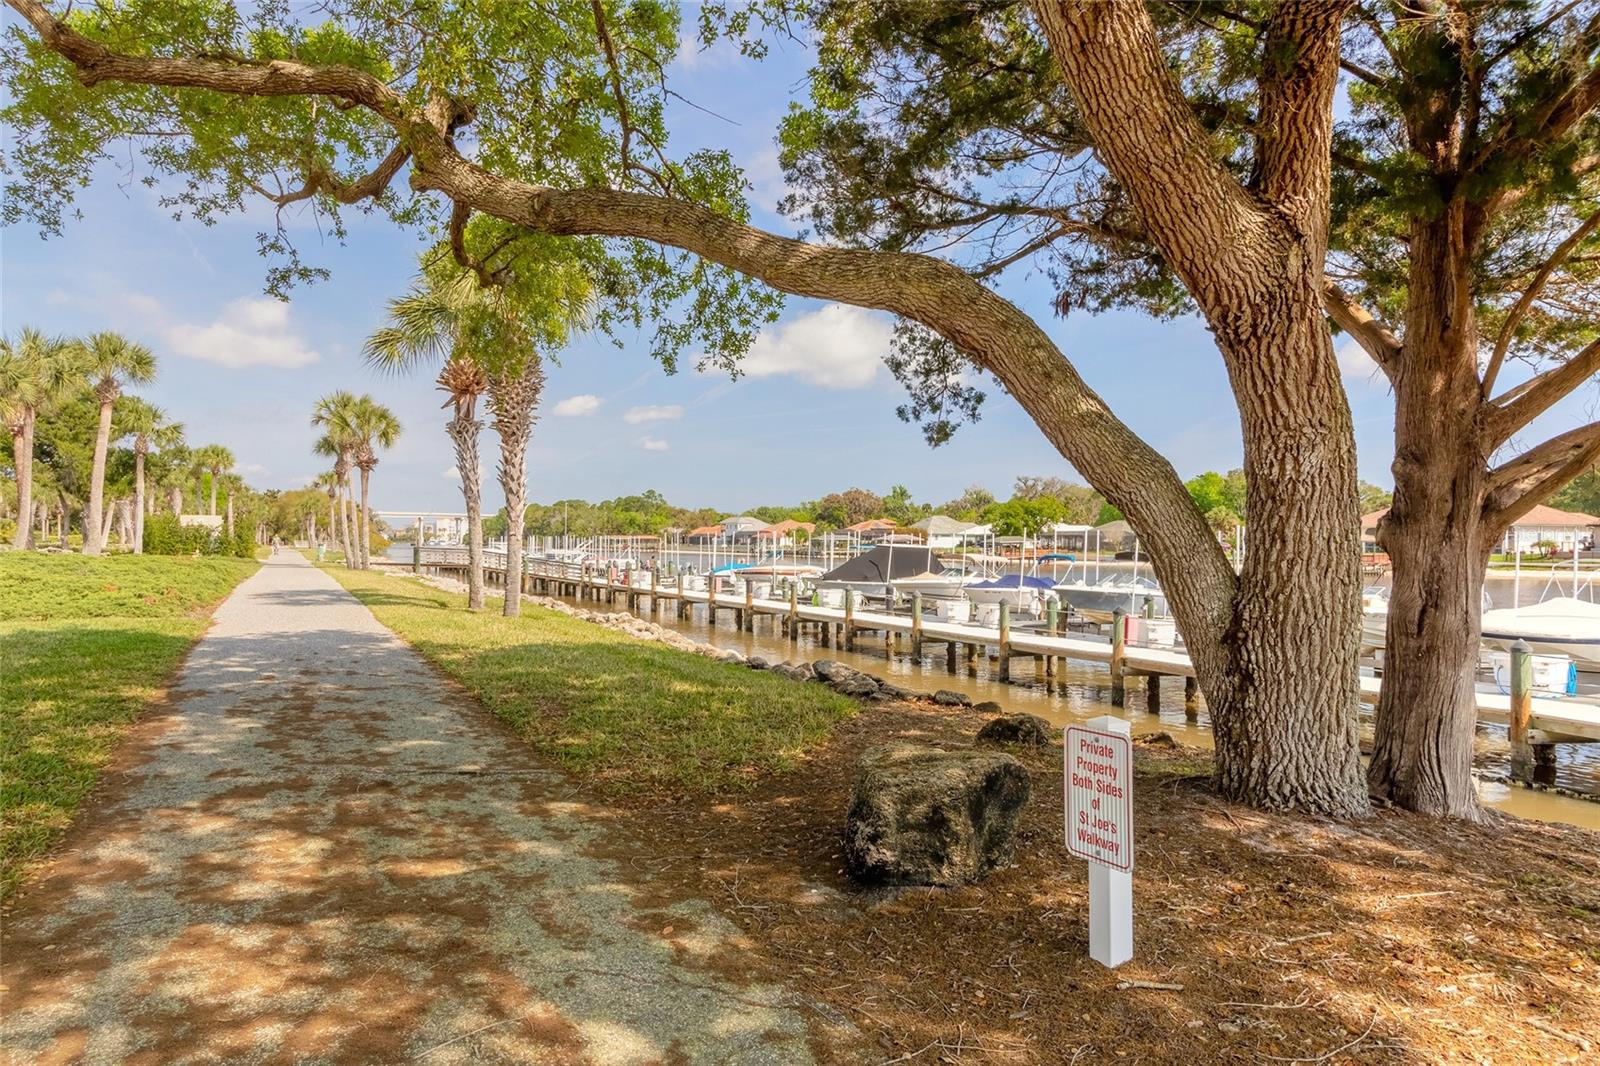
{"points": [[1521, 647]]}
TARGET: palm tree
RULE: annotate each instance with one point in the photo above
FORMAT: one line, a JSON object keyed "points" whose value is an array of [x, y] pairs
{"points": [[514, 391], [333, 414], [111, 362], [36, 372], [493, 328], [148, 426], [329, 483], [215, 460], [375, 427], [431, 322]]}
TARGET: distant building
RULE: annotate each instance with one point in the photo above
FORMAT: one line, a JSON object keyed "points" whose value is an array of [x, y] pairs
{"points": [[1542, 525], [873, 530], [942, 531], [445, 529], [788, 529], [703, 535], [741, 529], [207, 521]]}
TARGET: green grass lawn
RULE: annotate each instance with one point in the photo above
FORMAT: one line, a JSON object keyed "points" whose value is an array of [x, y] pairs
{"points": [[629, 714], [85, 644]]}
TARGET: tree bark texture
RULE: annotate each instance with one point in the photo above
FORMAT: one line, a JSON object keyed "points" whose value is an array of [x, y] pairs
{"points": [[464, 435], [213, 476], [513, 397], [22, 452], [97, 476], [364, 540], [1435, 536], [138, 499]]}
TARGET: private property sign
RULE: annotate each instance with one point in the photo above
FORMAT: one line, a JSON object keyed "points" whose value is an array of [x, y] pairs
{"points": [[1098, 782], [1099, 775]]}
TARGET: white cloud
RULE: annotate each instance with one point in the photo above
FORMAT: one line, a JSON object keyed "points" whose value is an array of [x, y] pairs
{"points": [[1354, 362], [653, 413], [653, 444], [577, 406], [836, 347], [252, 331], [451, 473]]}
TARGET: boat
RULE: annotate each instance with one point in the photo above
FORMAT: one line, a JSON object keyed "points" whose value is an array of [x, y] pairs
{"points": [[876, 570], [1024, 594], [1374, 618], [1096, 600], [1558, 626]]}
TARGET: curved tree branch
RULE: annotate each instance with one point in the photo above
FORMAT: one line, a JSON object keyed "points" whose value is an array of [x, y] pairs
{"points": [[1528, 401], [1508, 328], [1530, 478], [990, 330], [1374, 335]]}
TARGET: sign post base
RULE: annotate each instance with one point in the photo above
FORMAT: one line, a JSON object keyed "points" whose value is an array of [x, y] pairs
{"points": [[1110, 915]]}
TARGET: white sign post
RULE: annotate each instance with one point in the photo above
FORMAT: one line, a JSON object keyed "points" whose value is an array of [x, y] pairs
{"points": [[1099, 799]]}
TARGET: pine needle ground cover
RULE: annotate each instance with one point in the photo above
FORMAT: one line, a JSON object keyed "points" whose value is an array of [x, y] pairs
{"points": [[85, 645]]}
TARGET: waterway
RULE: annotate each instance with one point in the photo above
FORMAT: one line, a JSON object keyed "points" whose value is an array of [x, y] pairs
{"points": [[1083, 690]]}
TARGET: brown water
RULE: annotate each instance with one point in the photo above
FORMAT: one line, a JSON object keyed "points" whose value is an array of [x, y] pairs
{"points": [[1081, 691]]}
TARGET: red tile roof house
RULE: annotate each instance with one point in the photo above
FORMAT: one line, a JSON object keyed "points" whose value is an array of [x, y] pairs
{"points": [[1542, 524], [873, 529], [702, 535], [785, 529]]}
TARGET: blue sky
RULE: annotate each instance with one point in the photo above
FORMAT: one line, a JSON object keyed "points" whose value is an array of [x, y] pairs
{"points": [[815, 414]]}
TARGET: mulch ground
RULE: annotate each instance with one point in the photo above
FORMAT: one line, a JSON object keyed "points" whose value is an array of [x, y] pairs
{"points": [[1292, 939]]}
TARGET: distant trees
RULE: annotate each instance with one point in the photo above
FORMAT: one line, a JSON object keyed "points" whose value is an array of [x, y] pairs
{"points": [[840, 509], [36, 373], [1581, 494]]}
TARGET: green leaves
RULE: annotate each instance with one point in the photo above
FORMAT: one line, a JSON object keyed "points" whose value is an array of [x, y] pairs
{"points": [[557, 95]]}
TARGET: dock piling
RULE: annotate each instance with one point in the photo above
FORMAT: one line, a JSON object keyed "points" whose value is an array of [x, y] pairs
{"points": [[1005, 641], [1521, 709], [916, 625], [1119, 635]]}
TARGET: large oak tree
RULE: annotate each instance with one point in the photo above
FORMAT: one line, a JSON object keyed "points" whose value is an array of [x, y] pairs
{"points": [[551, 119]]}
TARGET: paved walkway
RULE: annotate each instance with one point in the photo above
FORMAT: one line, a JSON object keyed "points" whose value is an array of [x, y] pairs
{"points": [[323, 852]]}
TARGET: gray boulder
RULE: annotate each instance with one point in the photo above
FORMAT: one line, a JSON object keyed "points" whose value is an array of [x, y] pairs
{"points": [[854, 684], [803, 672], [923, 816], [1027, 729], [948, 698], [756, 662], [989, 707], [827, 669]]}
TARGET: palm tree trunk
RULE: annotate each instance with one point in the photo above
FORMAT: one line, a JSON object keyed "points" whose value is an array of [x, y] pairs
{"points": [[62, 514], [464, 435], [214, 476], [365, 545], [230, 514], [97, 483], [106, 524], [22, 453], [138, 501], [512, 399], [344, 523]]}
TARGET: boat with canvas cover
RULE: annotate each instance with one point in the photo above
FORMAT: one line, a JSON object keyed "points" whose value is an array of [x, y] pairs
{"points": [[877, 569]]}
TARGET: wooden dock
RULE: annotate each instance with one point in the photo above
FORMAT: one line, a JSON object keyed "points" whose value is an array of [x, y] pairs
{"points": [[1552, 721]]}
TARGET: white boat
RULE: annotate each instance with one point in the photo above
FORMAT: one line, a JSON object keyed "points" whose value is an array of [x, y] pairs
{"points": [[933, 586], [1374, 618], [1096, 600], [1559, 626]]}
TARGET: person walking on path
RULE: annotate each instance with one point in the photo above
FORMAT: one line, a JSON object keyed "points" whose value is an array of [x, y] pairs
{"points": [[320, 850]]}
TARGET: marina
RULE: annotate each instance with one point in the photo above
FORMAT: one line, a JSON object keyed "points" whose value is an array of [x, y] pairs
{"points": [[1062, 676]]}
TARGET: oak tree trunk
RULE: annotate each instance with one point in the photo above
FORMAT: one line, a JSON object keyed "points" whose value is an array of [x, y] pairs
{"points": [[22, 454], [97, 481], [1282, 688], [464, 435]]}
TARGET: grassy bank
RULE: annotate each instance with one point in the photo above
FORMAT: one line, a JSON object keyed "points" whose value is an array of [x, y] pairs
{"points": [[626, 713], [87, 644]]}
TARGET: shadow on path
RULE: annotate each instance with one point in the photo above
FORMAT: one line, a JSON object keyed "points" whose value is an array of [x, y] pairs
{"points": [[322, 851]]}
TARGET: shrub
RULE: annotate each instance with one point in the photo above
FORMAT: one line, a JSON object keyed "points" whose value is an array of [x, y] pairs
{"points": [[163, 535]]}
